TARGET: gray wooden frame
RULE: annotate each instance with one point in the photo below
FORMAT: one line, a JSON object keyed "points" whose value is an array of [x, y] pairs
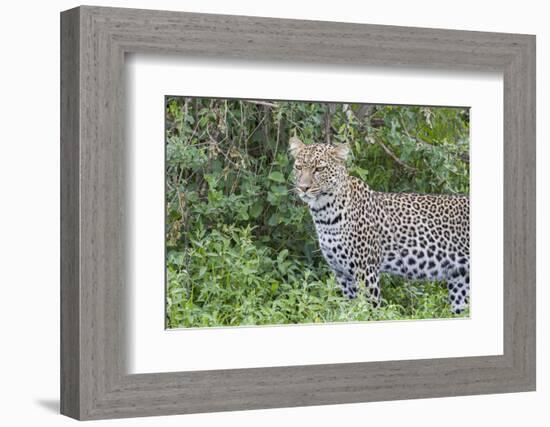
{"points": [[94, 382]]}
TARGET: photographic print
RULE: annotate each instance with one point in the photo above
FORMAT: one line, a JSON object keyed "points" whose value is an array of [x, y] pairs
{"points": [[216, 216], [292, 212]]}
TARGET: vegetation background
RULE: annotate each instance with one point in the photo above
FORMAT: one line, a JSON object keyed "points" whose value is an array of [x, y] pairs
{"points": [[241, 249]]}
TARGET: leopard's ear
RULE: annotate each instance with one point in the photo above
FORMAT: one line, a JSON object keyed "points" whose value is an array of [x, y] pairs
{"points": [[341, 151], [295, 145]]}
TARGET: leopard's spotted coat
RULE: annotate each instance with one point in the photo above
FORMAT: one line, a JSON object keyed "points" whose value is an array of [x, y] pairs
{"points": [[363, 233]]}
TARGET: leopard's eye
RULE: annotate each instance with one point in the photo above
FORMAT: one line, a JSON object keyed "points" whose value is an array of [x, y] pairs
{"points": [[320, 168], [297, 166]]}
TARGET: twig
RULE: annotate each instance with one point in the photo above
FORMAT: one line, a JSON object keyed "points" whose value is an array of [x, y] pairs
{"points": [[277, 142], [255, 129], [265, 103], [328, 120], [214, 141]]}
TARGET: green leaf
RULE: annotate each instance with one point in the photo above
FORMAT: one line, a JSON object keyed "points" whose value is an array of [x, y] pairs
{"points": [[282, 255], [277, 177], [273, 220], [202, 271], [279, 190], [256, 210]]}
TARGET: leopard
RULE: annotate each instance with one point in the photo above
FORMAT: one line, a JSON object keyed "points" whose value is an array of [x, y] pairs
{"points": [[363, 233]]}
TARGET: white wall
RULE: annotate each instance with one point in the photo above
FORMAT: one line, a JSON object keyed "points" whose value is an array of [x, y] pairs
{"points": [[29, 226]]}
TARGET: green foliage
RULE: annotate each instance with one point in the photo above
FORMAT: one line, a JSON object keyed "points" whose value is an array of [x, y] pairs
{"points": [[242, 250]]}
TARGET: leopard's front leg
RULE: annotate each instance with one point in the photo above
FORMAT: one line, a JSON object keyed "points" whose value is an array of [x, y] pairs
{"points": [[365, 260], [357, 279], [369, 279], [347, 283]]}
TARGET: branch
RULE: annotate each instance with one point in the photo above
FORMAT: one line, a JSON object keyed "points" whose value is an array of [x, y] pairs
{"points": [[365, 111], [394, 157]]}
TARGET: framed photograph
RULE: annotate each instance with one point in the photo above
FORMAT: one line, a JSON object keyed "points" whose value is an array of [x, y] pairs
{"points": [[261, 213]]}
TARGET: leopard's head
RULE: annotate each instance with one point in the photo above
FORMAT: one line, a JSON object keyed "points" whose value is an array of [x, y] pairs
{"points": [[318, 168]]}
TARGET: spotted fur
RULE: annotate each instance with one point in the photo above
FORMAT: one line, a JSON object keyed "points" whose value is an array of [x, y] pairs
{"points": [[363, 233]]}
